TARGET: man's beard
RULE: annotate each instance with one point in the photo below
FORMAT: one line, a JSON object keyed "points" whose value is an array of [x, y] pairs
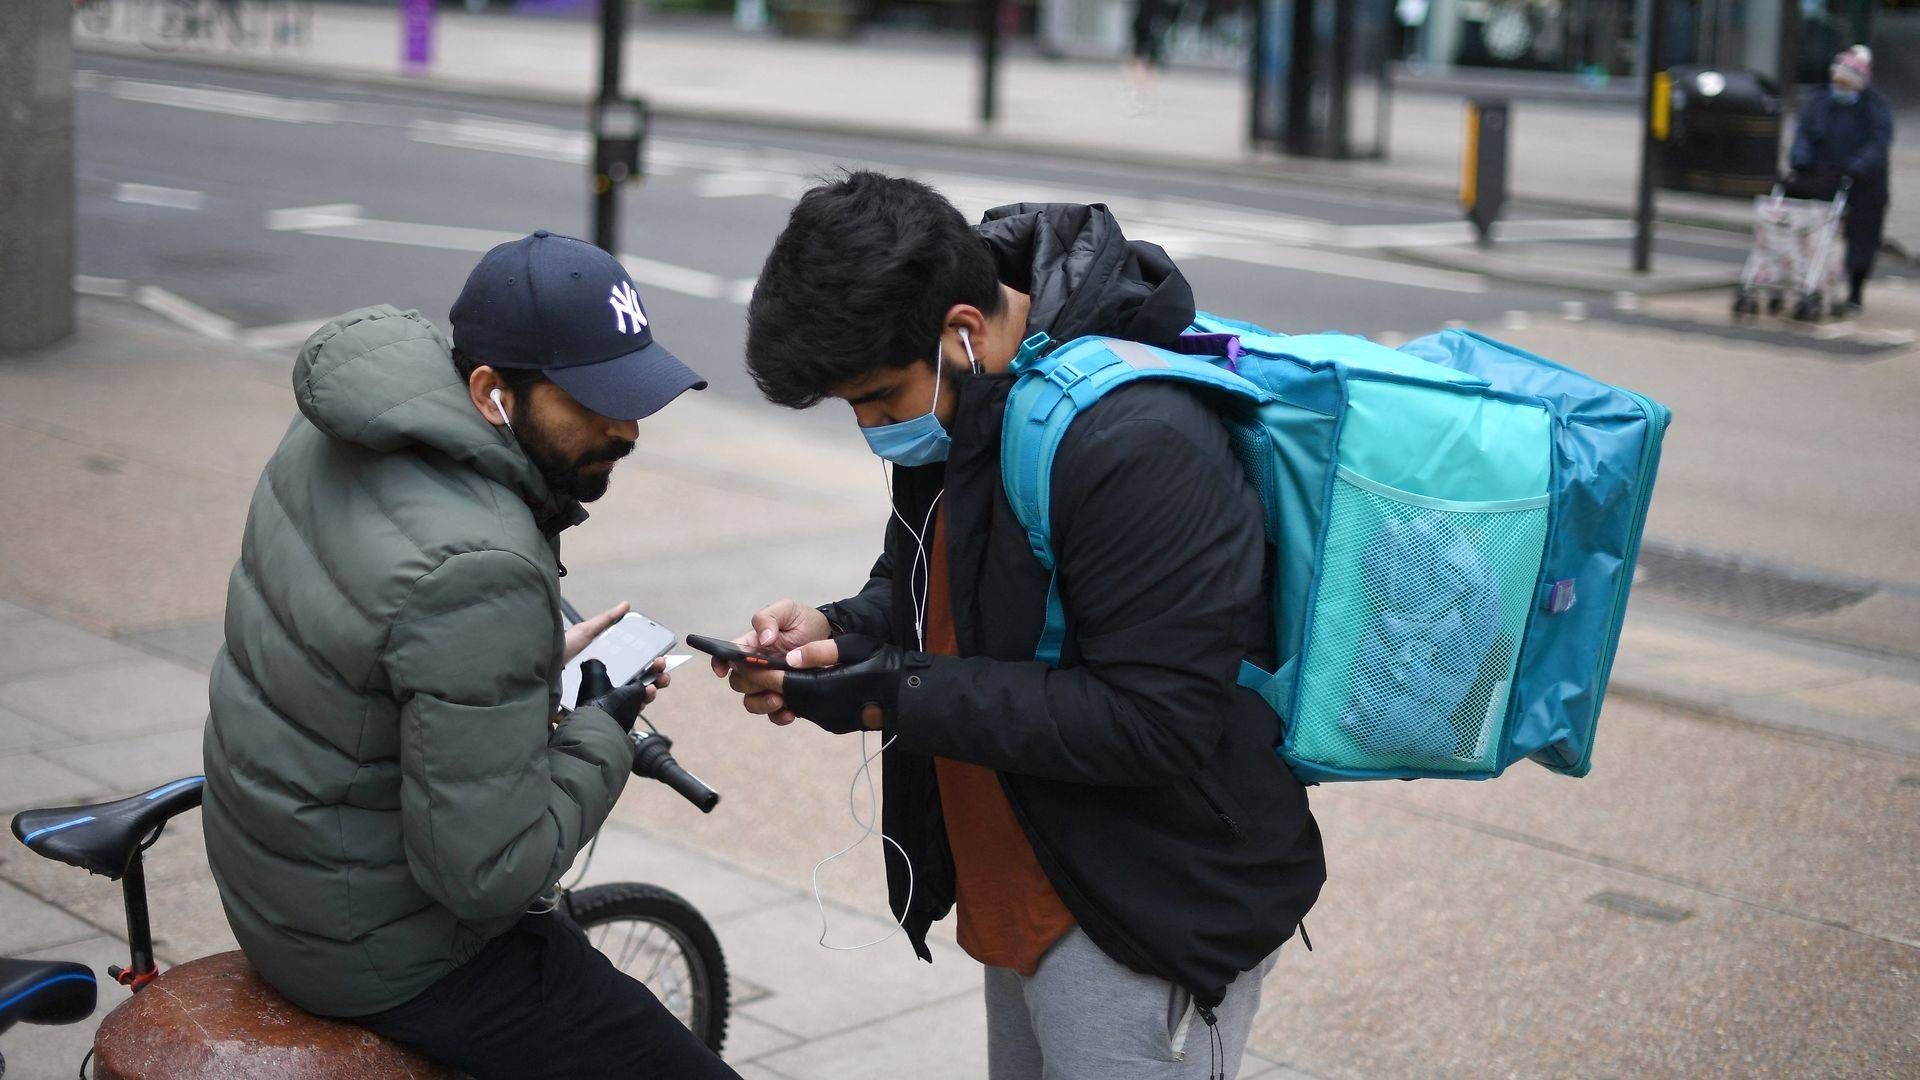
{"points": [[567, 477]]}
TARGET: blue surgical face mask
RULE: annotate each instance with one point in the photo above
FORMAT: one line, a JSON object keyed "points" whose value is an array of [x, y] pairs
{"points": [[1846, 97], [919, 441], [922, 440]]}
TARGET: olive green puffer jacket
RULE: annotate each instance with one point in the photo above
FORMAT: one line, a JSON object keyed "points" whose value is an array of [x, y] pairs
{"points": [[385, 791]]}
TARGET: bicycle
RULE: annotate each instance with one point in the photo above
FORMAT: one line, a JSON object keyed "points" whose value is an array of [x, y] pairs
{"points": [[637, 926], [170, 24]]}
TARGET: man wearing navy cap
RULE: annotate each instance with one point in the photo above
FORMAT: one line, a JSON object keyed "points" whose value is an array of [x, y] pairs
{"points": [[390, 791]]}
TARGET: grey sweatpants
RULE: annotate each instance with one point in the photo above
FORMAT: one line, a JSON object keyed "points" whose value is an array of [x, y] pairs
{"points": [[1084, 1017]]}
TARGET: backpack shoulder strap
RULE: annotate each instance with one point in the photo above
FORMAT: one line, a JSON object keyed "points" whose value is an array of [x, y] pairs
{"points": [[1052, 390]]}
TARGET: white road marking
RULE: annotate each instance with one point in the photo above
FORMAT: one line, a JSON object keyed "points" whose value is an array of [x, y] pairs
{"points": [[679, 279], [1515, 319], [739, 183], [155, 195], [279, 338], [114, 288], [306, 218], [186, 313], [1573, 310], [344, 220], [231, 102], [524, 140]]}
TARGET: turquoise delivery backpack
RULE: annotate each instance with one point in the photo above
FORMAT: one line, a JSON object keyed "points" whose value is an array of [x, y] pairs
{"points": [[1453, 527]]}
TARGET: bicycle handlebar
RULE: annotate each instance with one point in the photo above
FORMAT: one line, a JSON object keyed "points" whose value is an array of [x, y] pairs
{"points": [[653, 759]]}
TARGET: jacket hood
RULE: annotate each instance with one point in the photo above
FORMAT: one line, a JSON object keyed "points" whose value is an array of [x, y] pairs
{"points": [[1085, 276], [384, 379]]}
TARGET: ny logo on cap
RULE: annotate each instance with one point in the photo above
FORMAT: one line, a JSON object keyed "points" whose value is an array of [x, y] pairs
{"points": [[627, 316]]}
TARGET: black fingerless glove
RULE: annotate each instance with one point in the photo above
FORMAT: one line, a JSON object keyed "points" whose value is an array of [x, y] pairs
{"points": [[869, 673], [598, 692]]}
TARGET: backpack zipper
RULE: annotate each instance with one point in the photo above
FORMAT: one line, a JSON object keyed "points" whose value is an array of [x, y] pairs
{"points": [[1657, 417]]}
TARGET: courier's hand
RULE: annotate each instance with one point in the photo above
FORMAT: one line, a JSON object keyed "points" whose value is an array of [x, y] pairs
{"points": [[782, 625], [582, 633], [842, 684]]}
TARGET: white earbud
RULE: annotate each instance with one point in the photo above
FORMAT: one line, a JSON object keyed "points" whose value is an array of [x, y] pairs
{"points": [[966, 342], [494, 394]]}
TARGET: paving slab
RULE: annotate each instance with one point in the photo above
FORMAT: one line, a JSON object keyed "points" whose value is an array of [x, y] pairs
{"points": [[19, 733], [748, 1039], [625, 853], [39, 645], [777, 948], [1823, 830], [196, 644], [133, 697], [32, 924], [943, 1040], [30, 780], [1254, 1067], [135, 764], [1444, 952], [754, 1071], [13, 613]]}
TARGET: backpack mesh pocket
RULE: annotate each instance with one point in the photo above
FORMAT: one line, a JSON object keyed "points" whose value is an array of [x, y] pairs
{"points": [[1416, 623]]}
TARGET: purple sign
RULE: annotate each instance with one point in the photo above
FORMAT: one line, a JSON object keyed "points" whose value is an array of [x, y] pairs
{"points": [[417, 31]]}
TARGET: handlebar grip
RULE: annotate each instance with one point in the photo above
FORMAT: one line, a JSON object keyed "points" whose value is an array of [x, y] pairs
{"points": [[653, 759]]}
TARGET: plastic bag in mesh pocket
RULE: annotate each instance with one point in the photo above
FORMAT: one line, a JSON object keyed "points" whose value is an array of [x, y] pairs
{"points": [[1434, 630]]}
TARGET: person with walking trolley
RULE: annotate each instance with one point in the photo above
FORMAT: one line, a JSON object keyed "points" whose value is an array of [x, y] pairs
{"points": [[1845, 133]]}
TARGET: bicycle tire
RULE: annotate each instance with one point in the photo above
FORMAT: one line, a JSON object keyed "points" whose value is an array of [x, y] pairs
{"points": [[604, 905]]}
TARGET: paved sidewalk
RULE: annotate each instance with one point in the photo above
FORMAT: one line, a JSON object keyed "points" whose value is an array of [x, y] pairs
{"points": [[1564, 155], [1733, 889]]}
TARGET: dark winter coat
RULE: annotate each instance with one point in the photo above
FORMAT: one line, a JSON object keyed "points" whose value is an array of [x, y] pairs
{"points": [[385, 792], [1143, 776]]}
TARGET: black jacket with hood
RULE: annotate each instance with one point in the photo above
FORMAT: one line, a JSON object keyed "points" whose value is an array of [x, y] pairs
{"points": [[1143, 776]]}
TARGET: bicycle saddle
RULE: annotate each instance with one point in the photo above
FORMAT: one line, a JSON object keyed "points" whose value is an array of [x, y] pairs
{"points": [[102, 838], [45, 992]]}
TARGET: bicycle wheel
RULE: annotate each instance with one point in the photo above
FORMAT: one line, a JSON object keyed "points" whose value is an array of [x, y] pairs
{"points": [[658, 938]]}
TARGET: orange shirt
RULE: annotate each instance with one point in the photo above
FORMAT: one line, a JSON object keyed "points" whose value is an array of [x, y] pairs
{"points": [[1009, 914]]}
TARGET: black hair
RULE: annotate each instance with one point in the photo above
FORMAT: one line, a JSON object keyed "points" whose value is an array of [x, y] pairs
{"points": [[514, 379], [861, 278]]}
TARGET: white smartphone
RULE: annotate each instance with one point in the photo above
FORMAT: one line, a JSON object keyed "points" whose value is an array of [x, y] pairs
{"points": [[626, 647]]}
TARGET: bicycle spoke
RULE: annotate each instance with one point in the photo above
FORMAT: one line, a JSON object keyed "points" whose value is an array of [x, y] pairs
{"points": [[627, 956]]}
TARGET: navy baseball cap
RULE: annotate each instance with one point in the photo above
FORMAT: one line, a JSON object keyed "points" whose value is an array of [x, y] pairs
{"points": [[569, 310]]}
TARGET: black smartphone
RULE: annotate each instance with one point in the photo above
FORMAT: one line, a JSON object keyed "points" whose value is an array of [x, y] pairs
{"points": [[738, 654]]}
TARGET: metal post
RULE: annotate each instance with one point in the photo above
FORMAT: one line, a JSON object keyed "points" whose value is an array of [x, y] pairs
{"points": [[1655, 34], [988, 17], [606, 195], [36, 172]]}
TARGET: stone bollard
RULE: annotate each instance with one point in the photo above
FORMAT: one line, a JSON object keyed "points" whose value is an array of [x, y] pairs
{"points": [[36, 172], [215, 1018]]}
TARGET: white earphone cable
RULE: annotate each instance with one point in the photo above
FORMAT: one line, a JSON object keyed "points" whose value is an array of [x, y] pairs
{"points": [[919, 586]]}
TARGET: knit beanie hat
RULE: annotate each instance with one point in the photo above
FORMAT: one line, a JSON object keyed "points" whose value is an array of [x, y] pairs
{"points": [[1853, 69]]}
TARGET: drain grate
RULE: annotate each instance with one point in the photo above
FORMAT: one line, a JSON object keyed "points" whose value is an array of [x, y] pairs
{"points": [[1639, 906], [1741, 586]]}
